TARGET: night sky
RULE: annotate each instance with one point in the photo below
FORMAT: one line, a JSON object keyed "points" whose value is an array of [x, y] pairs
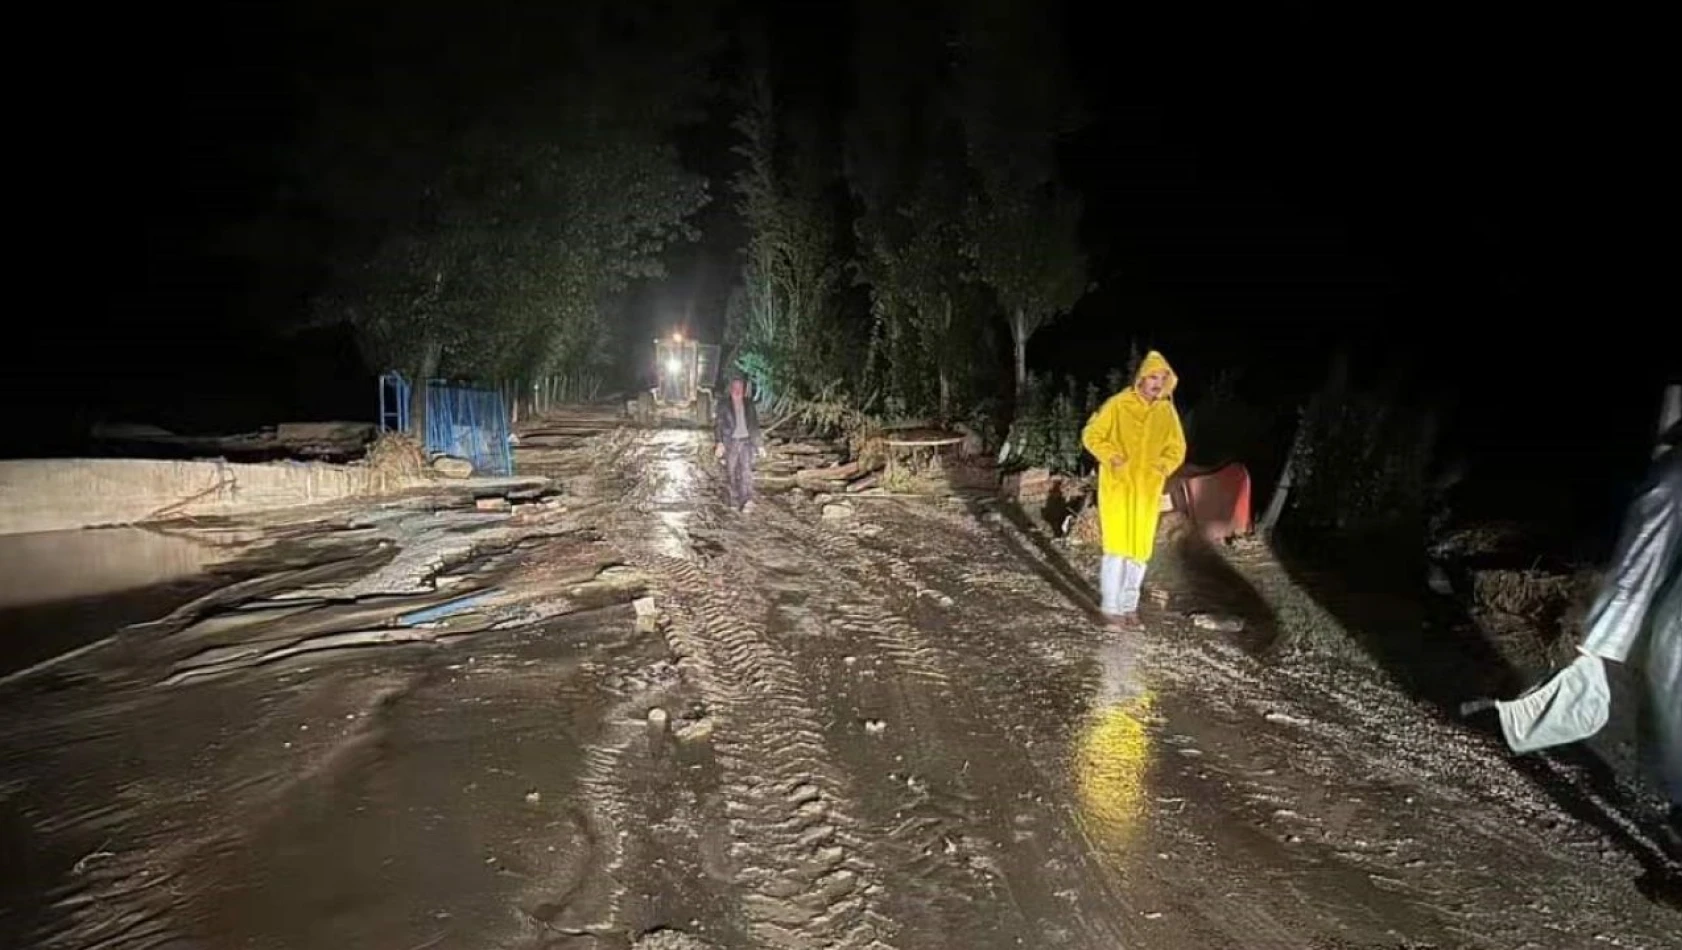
{"points": [[1262, 181]]}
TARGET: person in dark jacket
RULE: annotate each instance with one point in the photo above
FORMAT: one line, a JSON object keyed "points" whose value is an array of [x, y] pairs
{"points": [[737, 441]]}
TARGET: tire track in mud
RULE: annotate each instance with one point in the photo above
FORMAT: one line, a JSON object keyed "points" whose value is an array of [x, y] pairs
{"points": [[994, 858], [592, 903], [956, 552], [932, 838], [1047, 867], [594, 900], [807, 879]]}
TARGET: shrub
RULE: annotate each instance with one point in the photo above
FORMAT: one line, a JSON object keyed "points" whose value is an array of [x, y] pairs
{"points": [[1221, 427], [1360, 461]]}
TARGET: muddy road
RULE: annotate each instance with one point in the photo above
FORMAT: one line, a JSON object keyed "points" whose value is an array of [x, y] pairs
{"points": [[888, 730]]}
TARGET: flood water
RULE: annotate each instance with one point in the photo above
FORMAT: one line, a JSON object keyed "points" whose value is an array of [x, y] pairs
{"points": [[60, 590]]}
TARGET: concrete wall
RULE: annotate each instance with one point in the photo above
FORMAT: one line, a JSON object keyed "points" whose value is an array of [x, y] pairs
{"points": [[66, 494]]}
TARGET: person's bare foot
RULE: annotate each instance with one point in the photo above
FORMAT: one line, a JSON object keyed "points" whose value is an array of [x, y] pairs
{"points": [[1122, 623]]}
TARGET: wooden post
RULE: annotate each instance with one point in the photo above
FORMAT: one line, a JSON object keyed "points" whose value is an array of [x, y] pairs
{"points": [[1276, 503]]}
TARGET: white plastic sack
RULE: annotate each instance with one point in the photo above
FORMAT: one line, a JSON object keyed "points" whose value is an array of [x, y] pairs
{"points": [[1570, 707]]}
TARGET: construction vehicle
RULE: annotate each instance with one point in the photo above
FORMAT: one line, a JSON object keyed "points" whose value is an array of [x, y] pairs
{"points": [[685, 373]]}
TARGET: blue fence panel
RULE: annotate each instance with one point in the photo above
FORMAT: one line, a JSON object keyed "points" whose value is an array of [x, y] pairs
{"points": [[461, 421], [470, 424], [394, 403]]}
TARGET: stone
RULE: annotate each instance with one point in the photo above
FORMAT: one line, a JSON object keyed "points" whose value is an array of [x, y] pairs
{"points": [[1219, 623], [698, 731], [451, 467], [648, 615]]}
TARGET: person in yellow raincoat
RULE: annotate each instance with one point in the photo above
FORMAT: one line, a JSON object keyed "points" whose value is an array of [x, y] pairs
{"points": [[1137, 439]]}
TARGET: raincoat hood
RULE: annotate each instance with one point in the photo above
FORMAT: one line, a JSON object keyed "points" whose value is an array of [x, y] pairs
{"points": [[1156, 362]]}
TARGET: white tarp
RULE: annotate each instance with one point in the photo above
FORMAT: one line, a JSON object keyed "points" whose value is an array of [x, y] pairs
{"points": [[1636, 618], [1570, 707]]}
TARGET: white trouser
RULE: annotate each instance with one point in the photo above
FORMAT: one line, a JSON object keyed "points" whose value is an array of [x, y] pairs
{"points": [[1119, 580]]}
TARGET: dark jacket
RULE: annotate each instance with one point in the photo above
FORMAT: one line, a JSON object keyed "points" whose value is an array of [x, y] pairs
{"points": [[724, 419]]}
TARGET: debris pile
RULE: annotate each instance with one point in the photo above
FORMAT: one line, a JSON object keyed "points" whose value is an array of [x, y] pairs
{"points": [[394, 453], [326, 441], [813, 467]]}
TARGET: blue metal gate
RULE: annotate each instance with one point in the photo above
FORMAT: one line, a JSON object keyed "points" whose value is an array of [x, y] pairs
{"points": [[462, 421]]}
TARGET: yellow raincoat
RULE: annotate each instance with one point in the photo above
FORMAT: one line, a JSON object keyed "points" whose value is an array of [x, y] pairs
{"points": [[1148, 436]]}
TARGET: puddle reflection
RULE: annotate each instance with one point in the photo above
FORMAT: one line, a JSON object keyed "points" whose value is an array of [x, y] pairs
{"points": [[59, 566], [1113, 751], [676, 483], [675, 477]]}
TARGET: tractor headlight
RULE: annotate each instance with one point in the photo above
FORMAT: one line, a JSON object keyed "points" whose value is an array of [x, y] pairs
{"points": [[674, 366]]}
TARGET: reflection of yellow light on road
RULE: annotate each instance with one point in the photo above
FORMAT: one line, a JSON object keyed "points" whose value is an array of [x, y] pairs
{"points": [[1110, 764]]}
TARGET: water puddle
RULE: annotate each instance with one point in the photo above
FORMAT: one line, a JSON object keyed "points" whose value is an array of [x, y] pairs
{"points": [[64, 589], [1114, 752], [676, 482], [54, 566]]}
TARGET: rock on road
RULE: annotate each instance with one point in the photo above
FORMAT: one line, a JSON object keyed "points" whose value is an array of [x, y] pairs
{"points": [[893, 730]]}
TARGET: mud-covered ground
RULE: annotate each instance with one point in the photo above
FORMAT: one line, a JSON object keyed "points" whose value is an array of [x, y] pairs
{"points": [[898, 729]]}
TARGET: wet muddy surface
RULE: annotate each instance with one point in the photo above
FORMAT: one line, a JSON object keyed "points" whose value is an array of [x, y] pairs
{"points": [[896, 730]]}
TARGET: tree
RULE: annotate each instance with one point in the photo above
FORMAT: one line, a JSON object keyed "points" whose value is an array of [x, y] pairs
{"points": [[479, 223], [783, 320], [931, 275], [1026, 248], [906, 170], [1017, 102]]}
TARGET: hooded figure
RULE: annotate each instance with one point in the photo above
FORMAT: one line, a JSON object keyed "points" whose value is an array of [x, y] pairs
{"points": [[736, 440], [1137, 439]]}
